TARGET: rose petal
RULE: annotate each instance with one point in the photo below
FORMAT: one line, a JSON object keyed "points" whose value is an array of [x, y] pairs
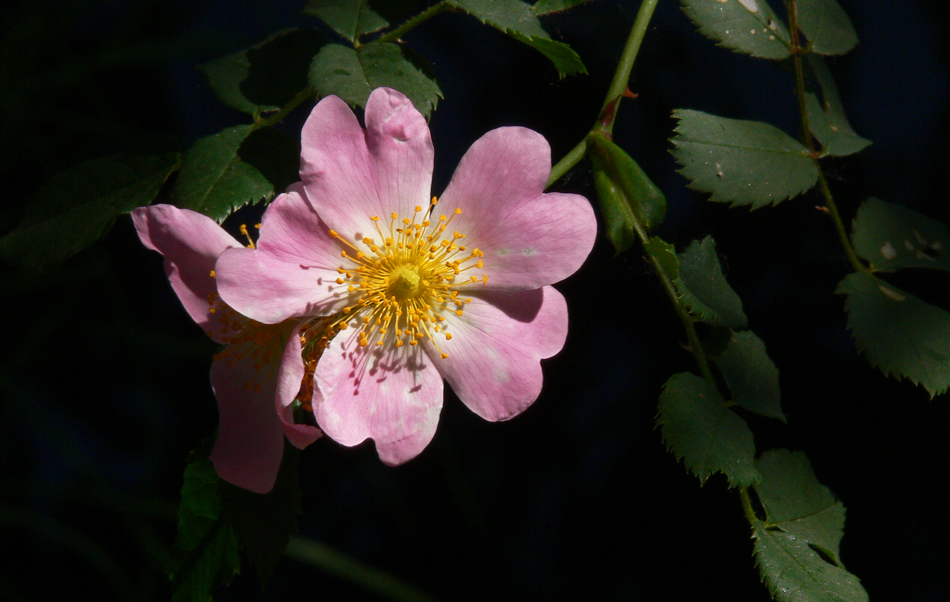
{"points": [[250, 442], [191, 243], [496, 347], [288, 386], [293, 270], [351, 175], [529, 239], [393, 397]]}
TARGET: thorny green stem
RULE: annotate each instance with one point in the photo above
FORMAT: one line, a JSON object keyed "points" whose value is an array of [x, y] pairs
{"points": [[277, 117], [630, 50], [797, 51], [396, 34], [614, 92], [747, 506]]}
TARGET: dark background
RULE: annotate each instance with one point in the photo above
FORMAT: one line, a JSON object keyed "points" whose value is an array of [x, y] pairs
{"points": [[104, 379]]}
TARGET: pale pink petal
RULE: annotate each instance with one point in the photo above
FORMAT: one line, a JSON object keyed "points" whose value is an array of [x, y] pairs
{"points": [[191, 243], [496, 347], [288, 386], [393, 397], [529, 239], [250, 442], [293, 270], [351, 175]]}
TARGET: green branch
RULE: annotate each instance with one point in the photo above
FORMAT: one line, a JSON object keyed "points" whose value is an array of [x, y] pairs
{"points": [[396, 34]]}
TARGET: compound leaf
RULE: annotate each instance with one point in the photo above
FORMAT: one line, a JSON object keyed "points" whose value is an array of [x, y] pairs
{"points": [[741, 162], [892, 236], [352, 73], [900, 335], [698, 428], [826, 118], [826, 25], [747, 26]]}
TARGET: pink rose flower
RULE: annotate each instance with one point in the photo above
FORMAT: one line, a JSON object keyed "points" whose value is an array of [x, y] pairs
{"points": [[397, 291], [257, 375]]}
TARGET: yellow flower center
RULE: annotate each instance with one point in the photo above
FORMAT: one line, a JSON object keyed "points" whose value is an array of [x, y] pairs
{"points": [[402, 282]]}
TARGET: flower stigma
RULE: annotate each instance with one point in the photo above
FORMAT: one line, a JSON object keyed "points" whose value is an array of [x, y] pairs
{"points": [[401, 283]]}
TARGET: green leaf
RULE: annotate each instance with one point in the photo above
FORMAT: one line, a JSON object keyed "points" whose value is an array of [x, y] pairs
{"points": [[892, 236], [352, 74], [546, 7], [747, 26], [233, 168], [826, 25], [267, 76], [700, 273], [698, 428], [741, 162], [349, 18], [264, 523], [751, 376], [796, 547], [900, 335], [826, 118], [625, 192], [207, 545], [517, 19], [77, 207]]}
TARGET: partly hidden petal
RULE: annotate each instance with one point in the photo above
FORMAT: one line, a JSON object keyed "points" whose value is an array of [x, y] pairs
{"points": [[191, 243], [289, 381]]}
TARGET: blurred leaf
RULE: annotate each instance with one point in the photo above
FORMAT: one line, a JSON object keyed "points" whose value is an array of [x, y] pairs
{"points": [[625, 193], [892, 236], [796, 547], [698, 428], [349, 18], [901, 335], [741, 162], [208, 546], [701, 274], [826, 25], [546, 7], [233, 168], [517, 19], [747, 26], [352, 74], [751, 376], [826, 118], [267, 76], [264, 523], [77, 207]]}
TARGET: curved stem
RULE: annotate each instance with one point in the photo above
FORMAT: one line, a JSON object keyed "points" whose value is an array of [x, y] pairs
{"points": [[797, 51], [571, 159], [747, 506], [413, 22], [285, 110], [622, 75]]}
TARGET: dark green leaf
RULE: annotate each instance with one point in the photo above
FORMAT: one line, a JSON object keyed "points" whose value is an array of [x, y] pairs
{"points": [[77, 207], [900, 335], [892, 236], [796, 547], [741, 162], [267, 76], [826, 25], [352, 74], [699, 428], [264, 523], [751, 376], [349, 18], [747, 26], [233, 168], [700, 273], [546, 7], [207, 545], [626, 194], [826, 118], [516, 19]]}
